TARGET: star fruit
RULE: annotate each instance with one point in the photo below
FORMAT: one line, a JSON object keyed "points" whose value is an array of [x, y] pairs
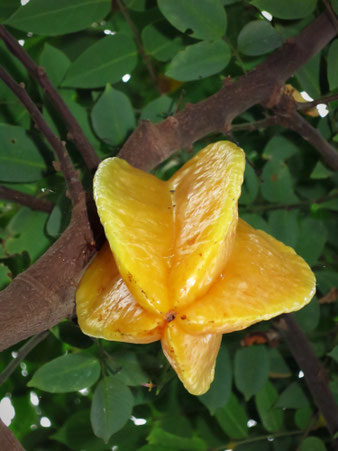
{"points": [[180, 267]]}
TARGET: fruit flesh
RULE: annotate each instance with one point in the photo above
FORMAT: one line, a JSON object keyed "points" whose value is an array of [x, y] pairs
{"points": [[192, 357], [205, 191], [135, 211], [106, 308], [262, 279], [170, 238]]}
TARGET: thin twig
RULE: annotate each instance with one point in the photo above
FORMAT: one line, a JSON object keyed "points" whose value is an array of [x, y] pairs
{"points": [[66, 165], [259, 438], [22, 353], [331, 13], [303, 203], [294, 121], [27, 200], [314, 372], [139, 44], [75, 132], [251, 126], [308, 105]]}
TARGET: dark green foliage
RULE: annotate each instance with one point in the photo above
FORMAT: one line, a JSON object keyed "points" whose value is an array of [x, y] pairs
{"points": [[99, 395]]}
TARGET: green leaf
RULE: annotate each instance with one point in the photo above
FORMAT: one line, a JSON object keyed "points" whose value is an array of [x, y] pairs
{"points": [[70, 333], [334, 4], [68, 373], [284, 226], [334, 353], [313, 444], [303, 417], [332, 65], [113, 116], [256, 221], [257, 38], [20, 161], [202, 19], [50, 18], [12, 110], [111, 407], [272, 418], [308, 76], [158, 109], [277, 183], [233, 419], [199, 61], [278, 366], [219, 392], [159, 436], [293, 397], [5, 274], [104, 62], [159, 43], [250, 187], [287, 10], [76, 433], [251, 370], [312, 239], [59, 217], [55, 63], [7, 8], [136, 5], [128, 369], [326, 279], [308, 316], [320, 172], [279, 148], [27, 230]]}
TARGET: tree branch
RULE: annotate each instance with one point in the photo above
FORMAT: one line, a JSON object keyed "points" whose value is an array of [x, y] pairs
{"points": [[139, 44], [8, 440], [22, 353], [75, 132], [216, 113], [308, 105], [300, 125], [288, 117], [44, 294], [32, 202], [314, 372], [67, 169]]}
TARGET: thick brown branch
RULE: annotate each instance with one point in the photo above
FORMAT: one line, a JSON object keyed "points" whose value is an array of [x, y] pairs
{"points": [[25, 199], [75, 132], [40, 297], [8, 440], [216, 113], [314, 372], [67, 169]]}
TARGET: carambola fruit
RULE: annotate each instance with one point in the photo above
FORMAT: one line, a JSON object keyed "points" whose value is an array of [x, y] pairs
{"points": [[180, 267]]}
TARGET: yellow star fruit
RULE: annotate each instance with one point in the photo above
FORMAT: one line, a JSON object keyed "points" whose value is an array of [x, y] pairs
{"points": [[180, 266]]}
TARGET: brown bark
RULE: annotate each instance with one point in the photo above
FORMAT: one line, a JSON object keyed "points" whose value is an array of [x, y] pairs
{"points": [[8, 440]]}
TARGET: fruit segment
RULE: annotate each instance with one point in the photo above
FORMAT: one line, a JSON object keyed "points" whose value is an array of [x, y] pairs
{"points": [[106, 308], [135, 211], [205, 192], [263, 278], [192, 357]]}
